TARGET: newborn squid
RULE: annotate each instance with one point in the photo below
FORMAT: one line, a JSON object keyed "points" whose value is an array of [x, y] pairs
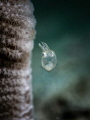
{"points": [[49, 59]]}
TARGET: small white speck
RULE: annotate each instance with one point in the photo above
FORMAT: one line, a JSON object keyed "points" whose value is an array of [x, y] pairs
{"points": [[17, 15], [1, 4], [3, 24], [8, 4], [12, 15], [15, 5], [6, 13], [4, 8]]}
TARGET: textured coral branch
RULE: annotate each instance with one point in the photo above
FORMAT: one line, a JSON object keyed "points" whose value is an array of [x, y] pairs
{"points": [[17, 32]]}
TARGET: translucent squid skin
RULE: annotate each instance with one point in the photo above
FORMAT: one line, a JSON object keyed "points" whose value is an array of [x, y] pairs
{"points": [[49, 59]]}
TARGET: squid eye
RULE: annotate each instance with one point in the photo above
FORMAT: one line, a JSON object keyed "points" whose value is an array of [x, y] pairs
{"points": [[42, 54], [53, 53]]}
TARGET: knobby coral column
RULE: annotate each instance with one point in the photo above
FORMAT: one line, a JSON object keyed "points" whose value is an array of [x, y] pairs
{"points": [[17, 31]]}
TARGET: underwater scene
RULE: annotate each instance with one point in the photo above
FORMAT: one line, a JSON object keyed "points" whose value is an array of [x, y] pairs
{"points": [[61, 60], [44, 60]]}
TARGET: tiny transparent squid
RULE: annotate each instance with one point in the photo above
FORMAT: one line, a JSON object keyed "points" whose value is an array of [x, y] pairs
{"points": [[49, 59]]}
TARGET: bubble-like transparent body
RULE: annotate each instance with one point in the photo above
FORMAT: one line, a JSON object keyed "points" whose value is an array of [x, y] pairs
{"points": [[49, 59]]}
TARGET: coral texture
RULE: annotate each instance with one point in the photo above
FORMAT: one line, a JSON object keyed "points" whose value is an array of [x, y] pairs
{"points": [[17, 31]]}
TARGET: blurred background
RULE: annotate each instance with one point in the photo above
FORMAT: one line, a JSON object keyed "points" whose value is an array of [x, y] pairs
{"points": [[65, 26]]}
